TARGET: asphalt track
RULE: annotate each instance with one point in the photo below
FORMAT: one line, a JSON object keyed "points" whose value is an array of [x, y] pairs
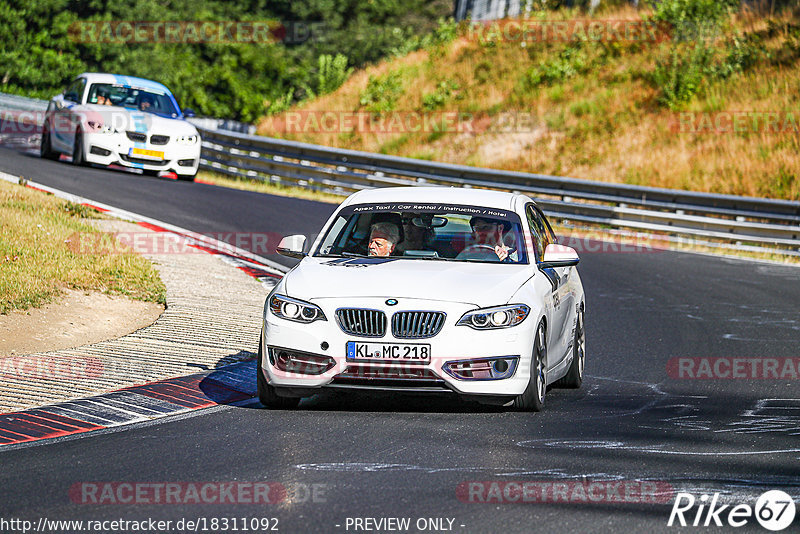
{"points": [[411, 457]]}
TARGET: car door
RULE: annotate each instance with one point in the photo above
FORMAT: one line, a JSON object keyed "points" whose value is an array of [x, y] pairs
{"points": [[65, 119], [558, 332]]}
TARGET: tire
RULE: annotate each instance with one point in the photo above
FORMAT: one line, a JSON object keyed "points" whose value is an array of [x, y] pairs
{"points": [[574, 377], [77, 150], [46, 149], [266, 393], [532, 399]]}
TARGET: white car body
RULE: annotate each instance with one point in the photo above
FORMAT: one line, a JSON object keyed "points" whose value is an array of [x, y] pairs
{"points": [[554, 296], [121, 134]]}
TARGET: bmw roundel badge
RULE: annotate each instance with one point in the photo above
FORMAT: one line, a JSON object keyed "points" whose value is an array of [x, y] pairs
{"points": [[391, 302]]}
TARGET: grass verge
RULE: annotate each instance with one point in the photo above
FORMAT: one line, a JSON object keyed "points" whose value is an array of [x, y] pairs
{"points": [[36, 261]]}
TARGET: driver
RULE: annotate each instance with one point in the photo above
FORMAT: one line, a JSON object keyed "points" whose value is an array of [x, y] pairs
{"points": [[383, 237], [145, 102], [102, 97], [489, 232]]}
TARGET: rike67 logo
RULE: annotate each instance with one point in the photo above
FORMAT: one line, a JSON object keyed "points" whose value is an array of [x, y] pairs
{"points": [[774, 510]]}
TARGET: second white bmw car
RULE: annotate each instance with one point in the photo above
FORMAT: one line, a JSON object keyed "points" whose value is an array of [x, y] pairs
{"points": [[427, 290], [108, 119]]}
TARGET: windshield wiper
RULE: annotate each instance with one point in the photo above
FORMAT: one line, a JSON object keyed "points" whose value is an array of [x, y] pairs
{"points": [[429, 258]]}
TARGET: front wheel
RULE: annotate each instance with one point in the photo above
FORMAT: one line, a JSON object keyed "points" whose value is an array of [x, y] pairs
{"points": [[532, 399], [266, 393], [77, 150], [574, 377], [46, 148]]}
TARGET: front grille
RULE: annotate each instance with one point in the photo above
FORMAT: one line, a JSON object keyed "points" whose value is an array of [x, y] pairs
{"points": [[159, 139], [143, 161], [136, 137], [385, 377], [361, 322], [417, 324]]}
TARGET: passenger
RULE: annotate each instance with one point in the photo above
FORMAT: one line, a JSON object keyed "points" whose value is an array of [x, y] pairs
{"points": [[416, 237], [383, 238]]}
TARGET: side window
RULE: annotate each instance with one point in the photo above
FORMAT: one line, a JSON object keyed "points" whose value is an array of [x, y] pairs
{"points": [[551, 236], [75, 91], [540, 230]]}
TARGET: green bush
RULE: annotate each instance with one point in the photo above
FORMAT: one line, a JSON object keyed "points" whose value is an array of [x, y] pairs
{"points": [[445, 32], [382, 92], [437, 99], [677, 12], [701, 52], [680, 77], [570, 62], [693, 20], [332, 73]]}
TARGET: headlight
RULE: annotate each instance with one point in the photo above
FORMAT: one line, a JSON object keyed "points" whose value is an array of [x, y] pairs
{"points": [[187, 139], [99, 127], [295, 310], [495, 317]]}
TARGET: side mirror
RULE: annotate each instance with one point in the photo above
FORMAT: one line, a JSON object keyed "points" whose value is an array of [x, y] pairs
{"points": [[559, 256], [188, 113], [292, 246]]}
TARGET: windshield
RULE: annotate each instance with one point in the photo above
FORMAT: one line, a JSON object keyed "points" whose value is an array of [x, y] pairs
{"points": [[132, 98], [425, 232]]}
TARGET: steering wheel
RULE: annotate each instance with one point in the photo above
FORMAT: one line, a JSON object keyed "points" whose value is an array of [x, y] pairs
{"points": [[477, 252]]}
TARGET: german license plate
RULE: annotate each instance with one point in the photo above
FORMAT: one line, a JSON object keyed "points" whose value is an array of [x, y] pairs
{"points": [[394, 352], [145, 153]]}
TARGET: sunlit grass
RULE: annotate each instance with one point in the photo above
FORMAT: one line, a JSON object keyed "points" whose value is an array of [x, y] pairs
{"points": [[38, 256]]}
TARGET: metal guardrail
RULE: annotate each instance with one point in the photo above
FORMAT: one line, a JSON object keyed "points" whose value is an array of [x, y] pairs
{"points": [[727, 221], [21, 103]]}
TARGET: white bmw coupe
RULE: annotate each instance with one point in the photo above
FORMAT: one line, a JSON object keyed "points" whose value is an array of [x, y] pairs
{"points": [[426, 290], [109, 119]]}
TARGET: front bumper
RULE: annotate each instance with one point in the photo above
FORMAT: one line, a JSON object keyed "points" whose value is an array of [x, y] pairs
{"points": [[116, 149], [452, 343]]}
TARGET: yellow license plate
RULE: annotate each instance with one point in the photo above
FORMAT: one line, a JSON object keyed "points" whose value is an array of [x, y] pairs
{"points": [[152, 154]]}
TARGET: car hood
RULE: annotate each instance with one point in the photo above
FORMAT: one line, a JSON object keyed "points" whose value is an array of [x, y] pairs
{"points": [[479, 284], [123, 119]]}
